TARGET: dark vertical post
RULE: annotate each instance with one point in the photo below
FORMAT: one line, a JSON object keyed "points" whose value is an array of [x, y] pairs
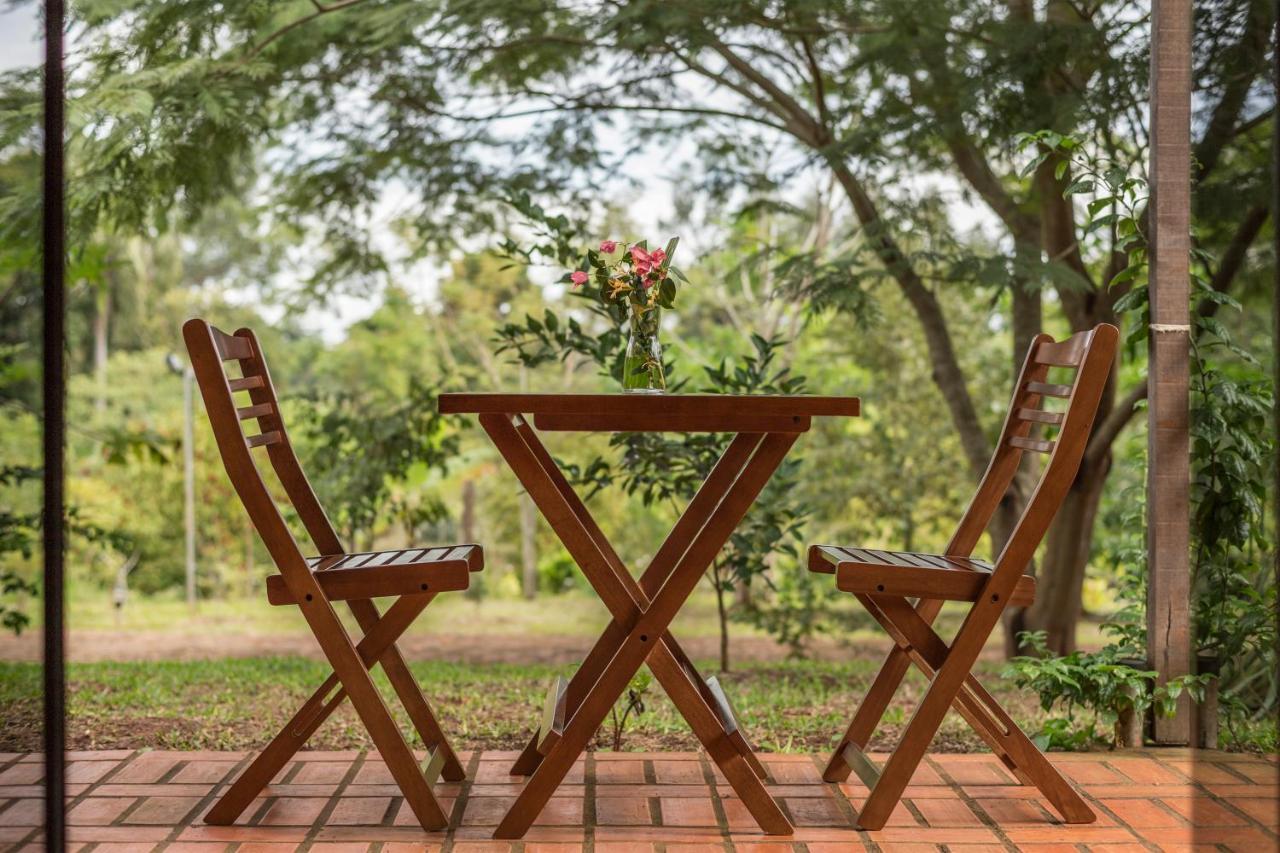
{"points": [[1168, 371], [1275, 296], [53, 259]]}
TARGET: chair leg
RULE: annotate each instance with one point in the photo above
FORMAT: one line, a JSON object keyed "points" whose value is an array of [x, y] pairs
{"points": [[411, 696], [872, 709], [942, 692], [276, 755], [985, 714], [315, 711], [373, 712]]}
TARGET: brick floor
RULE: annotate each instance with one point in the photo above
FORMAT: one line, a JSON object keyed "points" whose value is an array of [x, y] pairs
{"points": [[334, 802]]}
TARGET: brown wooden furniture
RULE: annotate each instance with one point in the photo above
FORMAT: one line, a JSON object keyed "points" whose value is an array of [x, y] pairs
{"points": [[642, 610], [314, 583], [884, 582]]}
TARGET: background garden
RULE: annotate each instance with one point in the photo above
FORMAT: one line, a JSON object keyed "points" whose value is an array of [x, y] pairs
{"points": [[884, 199]]}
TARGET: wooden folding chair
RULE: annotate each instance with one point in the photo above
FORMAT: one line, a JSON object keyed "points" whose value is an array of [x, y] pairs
{"points": [[413, 575], [884, 581]]}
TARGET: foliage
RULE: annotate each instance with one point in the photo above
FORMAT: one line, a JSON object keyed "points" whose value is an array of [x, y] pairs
{"points": [[315, 112], [1234, 597], [632, 703], [18, 532], [1234, 590], [557, 572], [1102, 682], [660, 468], [360, 447]]}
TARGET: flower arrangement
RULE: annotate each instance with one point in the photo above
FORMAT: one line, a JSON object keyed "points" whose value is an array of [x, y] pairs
{"points": [[645, 282], [633, 274]]}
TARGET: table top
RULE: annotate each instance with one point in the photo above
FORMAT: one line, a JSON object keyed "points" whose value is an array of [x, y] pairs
{"points": [[640, 405]]}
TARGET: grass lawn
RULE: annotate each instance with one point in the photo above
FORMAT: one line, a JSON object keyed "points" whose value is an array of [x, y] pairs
{"points": [[238, 704], [229, 676], [577, 613]]}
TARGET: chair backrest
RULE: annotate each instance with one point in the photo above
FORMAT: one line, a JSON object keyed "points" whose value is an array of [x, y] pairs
{"points": [[1090, 354], [211, 350]]}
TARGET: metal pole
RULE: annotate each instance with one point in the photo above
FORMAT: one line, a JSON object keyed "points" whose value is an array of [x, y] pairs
{"points": [[189, 482], [53, 258]]}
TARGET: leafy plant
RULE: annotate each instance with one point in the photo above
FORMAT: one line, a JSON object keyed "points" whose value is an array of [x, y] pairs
{"points": [[360, 447], [660, 467], [1234, 598], [632, 703], [1100, 683]]}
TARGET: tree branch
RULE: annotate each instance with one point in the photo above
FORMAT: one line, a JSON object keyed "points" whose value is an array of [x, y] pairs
{"points": [[946, 371], [1241, 60], [1106, 431], [787, 103], [1233, 256], [321, 9]]}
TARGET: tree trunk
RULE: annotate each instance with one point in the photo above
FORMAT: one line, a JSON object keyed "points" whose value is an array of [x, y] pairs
{"points": [[249, 534], [1060, 580], [528, 547], [723, 614], [101, 345]]}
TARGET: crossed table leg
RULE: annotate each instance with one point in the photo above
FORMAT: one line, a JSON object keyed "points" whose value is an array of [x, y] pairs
{"points": [[642, 613]]}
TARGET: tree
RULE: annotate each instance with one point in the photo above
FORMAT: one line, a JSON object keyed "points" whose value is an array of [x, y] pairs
{"points": [[466, 103]]}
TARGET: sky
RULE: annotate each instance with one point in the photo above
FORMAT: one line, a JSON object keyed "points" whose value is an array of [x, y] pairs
{"points": [[20, 37]]}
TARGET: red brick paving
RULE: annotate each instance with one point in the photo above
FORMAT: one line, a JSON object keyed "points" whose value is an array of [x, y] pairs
{"points": [[340, 802]]}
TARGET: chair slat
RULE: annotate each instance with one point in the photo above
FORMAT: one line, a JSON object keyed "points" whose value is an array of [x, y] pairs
{"points": [[962, 583], [470, 554], [358, 560], [1036, 444], [1040, 416], [409, 555], [824, 559], [890, 559], [1047, 389], [261, 409], [247, 383], [1066, 353], [915, 559], [433, 555], [231, 347], [381, 559], [264, 439], [965, 564], [346, 584]]}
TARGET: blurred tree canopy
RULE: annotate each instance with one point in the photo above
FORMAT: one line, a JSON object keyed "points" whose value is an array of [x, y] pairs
{"points": [[279, 130]]}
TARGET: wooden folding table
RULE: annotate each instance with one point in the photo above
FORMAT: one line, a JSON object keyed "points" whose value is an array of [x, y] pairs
{"points": [[765, 427]]}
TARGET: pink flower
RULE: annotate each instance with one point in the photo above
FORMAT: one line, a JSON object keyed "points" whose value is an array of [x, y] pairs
{"points": [[608, 246], [578, 277], [657, 256], [641, 260]]}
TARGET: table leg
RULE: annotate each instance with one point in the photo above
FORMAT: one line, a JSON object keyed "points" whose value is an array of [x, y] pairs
{"points": [[648, 629], [712, 491]]}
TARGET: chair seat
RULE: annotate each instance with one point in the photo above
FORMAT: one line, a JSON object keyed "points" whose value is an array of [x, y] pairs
{"points": [[907, 573], [375, 574]]}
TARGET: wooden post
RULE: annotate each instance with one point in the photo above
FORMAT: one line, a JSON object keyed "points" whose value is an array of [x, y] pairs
{"points": [[1168, 476]]}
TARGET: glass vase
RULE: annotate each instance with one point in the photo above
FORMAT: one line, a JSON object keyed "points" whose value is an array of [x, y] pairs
{"points": [[642, 365]]}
